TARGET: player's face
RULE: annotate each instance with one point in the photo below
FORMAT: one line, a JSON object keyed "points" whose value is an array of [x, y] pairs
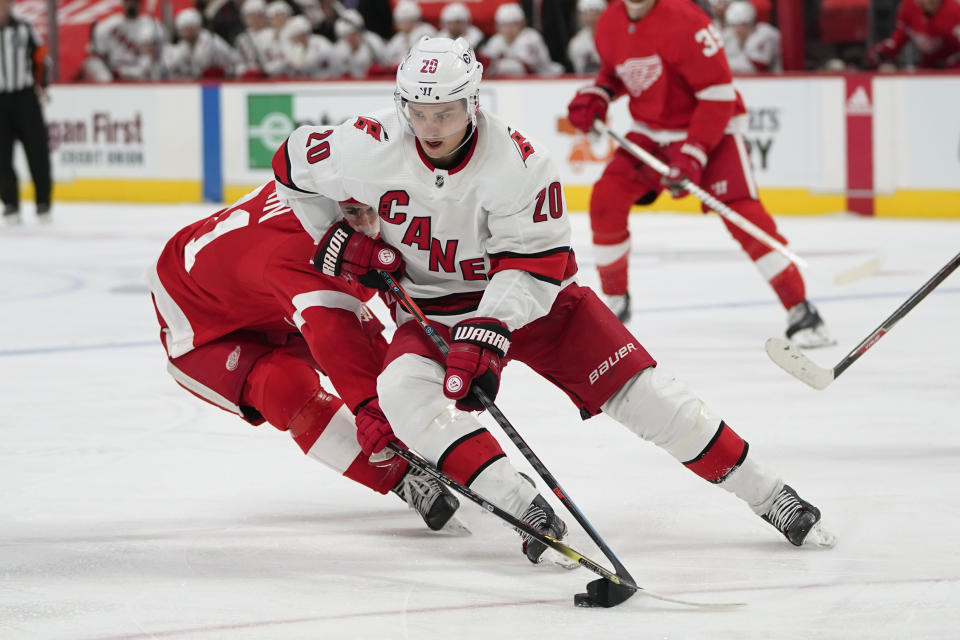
{"points": [[255, 20], [361, 218], [637, 9], [440, 127], [277, 21], [455, 28], [929, 6], [189, 34], [509, 30]]}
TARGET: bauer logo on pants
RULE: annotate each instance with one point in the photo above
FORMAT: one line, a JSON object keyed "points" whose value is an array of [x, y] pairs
{"points": [[611, 361]]}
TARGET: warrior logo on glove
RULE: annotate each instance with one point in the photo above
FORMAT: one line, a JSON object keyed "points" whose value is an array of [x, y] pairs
{"points": [[476, 348], [344, 251]]}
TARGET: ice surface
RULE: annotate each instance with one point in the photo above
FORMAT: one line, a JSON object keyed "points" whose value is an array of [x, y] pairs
{"points": [[129, 509]]}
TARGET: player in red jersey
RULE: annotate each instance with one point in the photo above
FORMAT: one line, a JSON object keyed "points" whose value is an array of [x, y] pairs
{"points": [[247, 322], [668, 57], [934, 28]]}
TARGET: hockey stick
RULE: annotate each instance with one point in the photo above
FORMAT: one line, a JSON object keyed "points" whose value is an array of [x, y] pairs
{"points": [[558, 546], [791, 360], [613, 588], [599, 592], [731, 216]]}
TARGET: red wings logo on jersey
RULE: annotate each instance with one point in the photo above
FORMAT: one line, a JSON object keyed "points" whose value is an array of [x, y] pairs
{"points": [[639, 74]]}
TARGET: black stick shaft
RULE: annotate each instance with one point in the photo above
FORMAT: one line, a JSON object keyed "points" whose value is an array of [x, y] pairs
{"points": [[413, 309], [895, 317]]}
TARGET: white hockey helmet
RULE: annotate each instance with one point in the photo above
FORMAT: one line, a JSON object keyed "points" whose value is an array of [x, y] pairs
{"points": [[509, 13], [740, 12], [455, 12], [188, 18], [439, 70], [406, 10]]}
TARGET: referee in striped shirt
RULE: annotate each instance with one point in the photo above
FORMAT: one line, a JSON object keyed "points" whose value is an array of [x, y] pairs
{"points": [[22, 76]]}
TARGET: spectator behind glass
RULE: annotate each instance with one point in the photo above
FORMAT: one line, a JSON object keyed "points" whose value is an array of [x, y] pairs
{"points": [[222, 17], [255, 18], [359, 51], [718, 10], [126, 46], [199, 52], [516, 49], [270, 40], [933, 26], [555, 21], [455, 22], [751, 46], [410, 28], [309, 55], [582, 51], [330, 11]]}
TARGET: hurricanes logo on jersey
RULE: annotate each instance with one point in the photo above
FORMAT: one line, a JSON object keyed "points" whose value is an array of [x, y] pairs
{"points": [[639, 74]]}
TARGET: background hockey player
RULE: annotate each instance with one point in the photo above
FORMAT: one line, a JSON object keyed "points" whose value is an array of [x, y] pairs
{"points": [[477, 212], [750, 46], [516, 49], [247, 322], [582, 51], [199, 52], [933, 26], [668, 57], [126, 46]]}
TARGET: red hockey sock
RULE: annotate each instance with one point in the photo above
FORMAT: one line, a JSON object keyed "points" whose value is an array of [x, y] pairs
{"points": [[789, 286], [381, 476], [467, 457], [725, 452], [613, 277], [783, 276]]}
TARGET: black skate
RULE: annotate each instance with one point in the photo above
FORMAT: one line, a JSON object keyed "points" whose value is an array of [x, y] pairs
{"points": [[428, 497], [540, 515], [805, 327], [797, 519]]}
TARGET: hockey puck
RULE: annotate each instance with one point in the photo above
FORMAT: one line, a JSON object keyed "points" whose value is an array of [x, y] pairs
{"points": [[584, 600]]}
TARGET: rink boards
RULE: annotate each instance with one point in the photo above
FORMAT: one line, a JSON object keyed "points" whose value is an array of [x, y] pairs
{"points": [[886, 145]]}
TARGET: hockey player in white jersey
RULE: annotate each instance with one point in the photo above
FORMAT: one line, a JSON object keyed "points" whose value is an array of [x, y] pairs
{"points": [[200, 53], [581, 50], [516, 49], [126, 46], [308, 54], [473, 215], [410, 28], [751, 46], [456, 21]]}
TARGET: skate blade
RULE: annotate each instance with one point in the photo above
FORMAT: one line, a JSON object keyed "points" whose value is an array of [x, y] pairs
{"points": [[456, 527], [820, 537]]}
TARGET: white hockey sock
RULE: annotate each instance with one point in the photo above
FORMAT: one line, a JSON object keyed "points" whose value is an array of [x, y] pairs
{"points": [[753, 485], [503, 486]]}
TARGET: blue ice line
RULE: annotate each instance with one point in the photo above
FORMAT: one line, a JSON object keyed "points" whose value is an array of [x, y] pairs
{"points": [[719, 305], [83, 347]]}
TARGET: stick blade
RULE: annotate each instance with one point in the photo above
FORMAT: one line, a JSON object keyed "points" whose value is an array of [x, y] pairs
{"points": [[603, 593], [859, 272], [786, 355]]}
